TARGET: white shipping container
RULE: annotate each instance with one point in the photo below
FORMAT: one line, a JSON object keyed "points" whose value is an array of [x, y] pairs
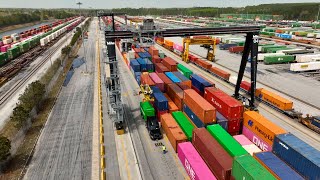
{"points": [[288, 50], [318, 36], [7, 41], [44, 41], [310, 35], [233, 79], [50, 37], [131, 54], [306, 57], [252, 148], [298, 67], [262, 55]]}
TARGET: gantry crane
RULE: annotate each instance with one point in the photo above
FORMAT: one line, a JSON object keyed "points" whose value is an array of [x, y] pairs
{"points": [[208, 41]]}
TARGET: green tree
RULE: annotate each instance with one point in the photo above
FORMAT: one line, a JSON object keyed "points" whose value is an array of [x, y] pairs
{"points": [[32, 95], [19, 115], [5, 146]]}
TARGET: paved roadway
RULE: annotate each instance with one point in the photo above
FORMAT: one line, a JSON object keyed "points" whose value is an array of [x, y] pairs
{"points": [[283, 121], [64, 150], [275, 76]]}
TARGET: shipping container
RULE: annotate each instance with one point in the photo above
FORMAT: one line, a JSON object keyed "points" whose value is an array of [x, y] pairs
{"points": [[259, 142], [193, 163], [176, 94], [225, 104], [153, 51], [276, 166], [150, 66], [246, 86], [135, 65], [143, 64], [204, 110], [306, 58], [156, 59], [165, 79], [186, 72], [170, 63], [217, 159], [183, 86], [183, 79], [172, 106], [261, 56], [242, 140], [236, 49], [278, 59], [13, 52], [185, 124], [156, 79], [147, 110], [226, 140], [261, 126], [302, 157], [251, 149], [199, 83], [274, 99], [172, 130], [193, 117], [160, 68], [172, 77], [203, 64], [160, 102], [221, 73], [145, 79], [222, 121], [301, 67], [247, 168], [137, 76], [3, 58]]}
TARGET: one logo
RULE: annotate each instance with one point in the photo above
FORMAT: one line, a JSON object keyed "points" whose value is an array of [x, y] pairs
{"points": [[250, 123], [110, 43]]}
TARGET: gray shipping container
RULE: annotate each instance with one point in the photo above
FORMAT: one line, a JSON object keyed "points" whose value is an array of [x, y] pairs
{"points": [[299, 155]]}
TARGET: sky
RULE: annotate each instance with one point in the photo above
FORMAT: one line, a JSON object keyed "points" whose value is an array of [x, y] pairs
{"points": [[109, 4]]}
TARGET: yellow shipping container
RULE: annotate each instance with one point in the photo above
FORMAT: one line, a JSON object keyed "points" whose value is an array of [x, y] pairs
{"points": [[261, 126], [274, 99]]}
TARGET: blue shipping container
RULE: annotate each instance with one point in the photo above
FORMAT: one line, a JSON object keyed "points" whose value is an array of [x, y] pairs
{"points": [[160, 101], [192, 116], [143, 64], [299, 155], [199, 82], [316, 121], [180, 76], [222, 121], [278, 167], [155, 89], [172, 77], [150, 66], [135, 65], [226, 46], [141, 55], [137, 76]]}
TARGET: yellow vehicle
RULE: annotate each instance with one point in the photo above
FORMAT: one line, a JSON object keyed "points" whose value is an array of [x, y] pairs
{"points": [[208, 41], [146, 91]]}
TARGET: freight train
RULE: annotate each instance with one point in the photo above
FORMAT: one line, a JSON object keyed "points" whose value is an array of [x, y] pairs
{"points": [[15, 56]]}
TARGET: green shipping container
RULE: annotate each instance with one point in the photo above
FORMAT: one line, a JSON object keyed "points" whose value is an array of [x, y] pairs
{"points": [[278, 59], [146, 110], [240, 43], [274, 50], [246, 167], [264, 49], [25, 46], [3, 58], [13, 52], [226, 140], [186, 126], [186, 72]]}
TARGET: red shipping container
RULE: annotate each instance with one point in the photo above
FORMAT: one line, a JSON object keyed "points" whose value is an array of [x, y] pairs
{"points": [[145, 79], [229, 107], [161, 68], [245, 85], [204, 110], [176, 94], [203, 64], [153, 51], [183, 86], [220, 73], [136, 55], [156, 59], [165, 79], [234, 126], [217, 159], [236, 49], [170, 63], [159, 113]]}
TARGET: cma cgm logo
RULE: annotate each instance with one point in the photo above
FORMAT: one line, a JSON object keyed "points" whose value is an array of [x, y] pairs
{"points": [[250, 123], [110, 43]]}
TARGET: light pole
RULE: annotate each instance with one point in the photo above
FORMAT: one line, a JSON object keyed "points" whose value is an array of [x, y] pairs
{"points": [[84, 48], [318, 14]]}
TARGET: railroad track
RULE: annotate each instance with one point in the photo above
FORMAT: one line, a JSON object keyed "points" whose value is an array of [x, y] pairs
{"points": [[292, 42], [285, 119], [23, 80]]}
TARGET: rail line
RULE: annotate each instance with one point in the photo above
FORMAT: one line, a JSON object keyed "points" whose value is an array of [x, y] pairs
{"points": [[22, 81], [288, 121]]}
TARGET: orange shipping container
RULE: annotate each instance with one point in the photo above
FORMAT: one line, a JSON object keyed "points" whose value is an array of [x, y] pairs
{"points": [[172, 130], [145, 79], [172, 106], [202, 108], [261, 126], [168, 43], [153, 51], [274, 99], [176, 94]]}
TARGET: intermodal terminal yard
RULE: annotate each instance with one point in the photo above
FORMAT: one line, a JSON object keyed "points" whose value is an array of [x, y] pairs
{"points": [[154, 98]]}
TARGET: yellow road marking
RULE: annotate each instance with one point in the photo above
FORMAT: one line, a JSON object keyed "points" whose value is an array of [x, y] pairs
{"points": [[125, 157]]}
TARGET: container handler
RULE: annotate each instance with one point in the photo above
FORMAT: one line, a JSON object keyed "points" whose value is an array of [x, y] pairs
{"points": [[152, 124]]}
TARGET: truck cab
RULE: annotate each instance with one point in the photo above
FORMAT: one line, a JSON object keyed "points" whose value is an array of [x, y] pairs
{"points": [[154, 128]]}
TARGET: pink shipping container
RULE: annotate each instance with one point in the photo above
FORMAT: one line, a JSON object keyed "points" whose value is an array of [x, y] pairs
{"points": [[193, 163], [159, 83], [178, 47], [256, 140], [5, 48], [1, 43], [242, 139]]}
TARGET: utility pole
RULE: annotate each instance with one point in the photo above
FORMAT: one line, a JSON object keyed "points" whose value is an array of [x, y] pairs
{"points": [[84, 48], [318, 14]]}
